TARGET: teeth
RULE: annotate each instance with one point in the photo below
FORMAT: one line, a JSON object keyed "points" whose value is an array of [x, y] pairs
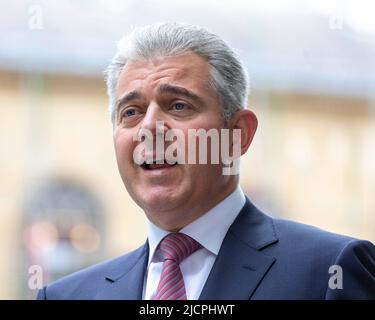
{"points": [[154, 162], [152, 165]]}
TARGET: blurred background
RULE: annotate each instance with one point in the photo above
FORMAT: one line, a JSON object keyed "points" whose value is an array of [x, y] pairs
{"points": [[62, 203]]}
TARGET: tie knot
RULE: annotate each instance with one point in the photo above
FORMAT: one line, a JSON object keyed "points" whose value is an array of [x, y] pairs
{"points": [[177, 246]]}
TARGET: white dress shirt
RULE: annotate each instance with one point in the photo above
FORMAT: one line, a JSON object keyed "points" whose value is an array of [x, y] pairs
{"points": [[209, 230]]}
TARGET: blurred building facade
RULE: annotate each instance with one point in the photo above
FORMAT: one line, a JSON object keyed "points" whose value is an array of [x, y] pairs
{"points": [[63, 205]]}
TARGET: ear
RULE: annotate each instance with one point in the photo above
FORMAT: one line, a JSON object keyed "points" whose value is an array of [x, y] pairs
{"points": [[247, 122]]}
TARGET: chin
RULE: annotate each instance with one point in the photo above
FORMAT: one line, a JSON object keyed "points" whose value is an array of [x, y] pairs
{"points": [[160, 201]]}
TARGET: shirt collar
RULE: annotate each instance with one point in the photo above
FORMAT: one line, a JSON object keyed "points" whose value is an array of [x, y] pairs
{"points": [[201, 230]]}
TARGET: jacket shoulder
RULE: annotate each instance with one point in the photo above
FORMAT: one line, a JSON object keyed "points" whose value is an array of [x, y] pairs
{"points": [[310, 242], [83, 284], [288, 230], [308, 259]]}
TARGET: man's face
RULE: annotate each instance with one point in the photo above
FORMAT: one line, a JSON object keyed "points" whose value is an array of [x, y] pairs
{"points": [[174, 90]]}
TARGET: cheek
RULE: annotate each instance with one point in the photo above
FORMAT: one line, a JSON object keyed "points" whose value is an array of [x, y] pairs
{"points": [[208, 121], [203, 177], [124, 147]]}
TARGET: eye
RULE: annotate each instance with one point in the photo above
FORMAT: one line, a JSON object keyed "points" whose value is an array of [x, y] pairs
{"points": [[129, 112], [180, 106]]}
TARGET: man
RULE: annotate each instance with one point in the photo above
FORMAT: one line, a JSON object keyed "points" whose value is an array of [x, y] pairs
{"points": [[206, 240]]}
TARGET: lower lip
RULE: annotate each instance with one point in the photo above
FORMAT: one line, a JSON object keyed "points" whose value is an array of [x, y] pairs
{"points": [[158, 171]]}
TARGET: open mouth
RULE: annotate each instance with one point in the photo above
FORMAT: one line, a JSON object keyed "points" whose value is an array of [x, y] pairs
{"points": [[156, 166]]}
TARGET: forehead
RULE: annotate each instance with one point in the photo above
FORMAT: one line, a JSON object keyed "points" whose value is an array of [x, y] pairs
{"points": [[188, 69]]}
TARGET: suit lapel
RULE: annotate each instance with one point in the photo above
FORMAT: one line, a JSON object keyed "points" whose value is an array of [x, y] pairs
{"points": [[125, 279], [240, 265], [238, 270]]}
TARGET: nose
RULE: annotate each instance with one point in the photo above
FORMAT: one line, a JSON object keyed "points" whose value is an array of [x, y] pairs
{"points": [[153, 129], [154, 120]]}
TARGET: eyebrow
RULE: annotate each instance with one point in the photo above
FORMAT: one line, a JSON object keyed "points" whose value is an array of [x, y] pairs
{"points": [[163, 88], [128, 97], [180, 91]]}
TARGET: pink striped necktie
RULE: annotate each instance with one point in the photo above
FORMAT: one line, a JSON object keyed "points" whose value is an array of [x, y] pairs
{"points": [[174, 248]]}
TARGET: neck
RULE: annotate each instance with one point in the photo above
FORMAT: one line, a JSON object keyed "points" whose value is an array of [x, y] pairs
{"points": [[174, 221]]}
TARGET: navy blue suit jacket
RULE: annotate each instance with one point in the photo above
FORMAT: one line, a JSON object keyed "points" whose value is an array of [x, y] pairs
{"points": [[260, 258]]}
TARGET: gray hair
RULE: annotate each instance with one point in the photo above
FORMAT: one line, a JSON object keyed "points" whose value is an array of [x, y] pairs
{"points": [[228, 78]]}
